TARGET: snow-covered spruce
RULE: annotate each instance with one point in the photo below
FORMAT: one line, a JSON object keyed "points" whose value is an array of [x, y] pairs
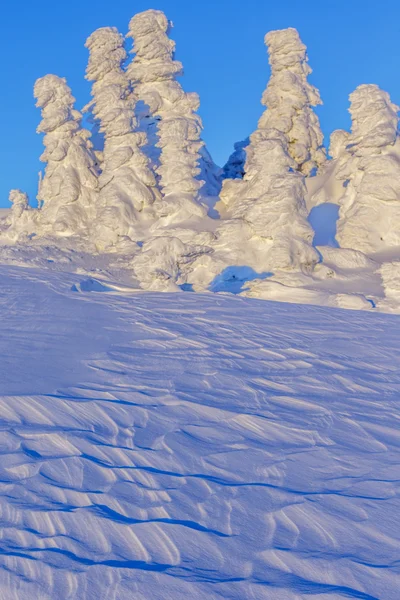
{"points": [[286, 145], [369, 168], [234, 167], [127, 185], [153, 73], [209, 172], [266, 228], [69, 189], [289, 99], [21, 219]]}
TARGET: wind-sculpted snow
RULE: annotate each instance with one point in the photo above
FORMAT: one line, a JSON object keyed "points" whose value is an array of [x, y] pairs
{"points": [[194, 446], [127, 185], [68, 192]]}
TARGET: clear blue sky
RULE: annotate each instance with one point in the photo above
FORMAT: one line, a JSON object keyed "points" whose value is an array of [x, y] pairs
{"points": [[220, 43]]}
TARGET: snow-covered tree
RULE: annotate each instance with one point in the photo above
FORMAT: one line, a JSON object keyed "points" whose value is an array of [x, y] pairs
{"points": [[337, 142], [289, 99], [127, 185], [21, 218], [368, 165], [271, 204], [234, 167], [20, 203], [153, 73], [270, 198], [68, 190]]}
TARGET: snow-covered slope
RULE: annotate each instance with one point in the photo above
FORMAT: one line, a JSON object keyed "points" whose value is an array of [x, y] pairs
{"points": [[160, 446]]}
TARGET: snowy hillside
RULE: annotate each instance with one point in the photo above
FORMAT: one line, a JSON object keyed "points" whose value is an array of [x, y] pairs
{"points": [[197, 446], [140, 195]]}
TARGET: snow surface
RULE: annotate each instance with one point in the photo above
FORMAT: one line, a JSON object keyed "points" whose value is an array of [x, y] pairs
{"points": [[194, 446]]}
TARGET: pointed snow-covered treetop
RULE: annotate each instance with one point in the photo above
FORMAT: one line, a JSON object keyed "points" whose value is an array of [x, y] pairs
{"points": [[68, 192], [289, 99], [152, 73], [368, 164], [127, 185]]}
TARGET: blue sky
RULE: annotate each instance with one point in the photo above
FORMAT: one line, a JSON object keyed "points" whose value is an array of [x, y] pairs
{"points": [[220, 43]]}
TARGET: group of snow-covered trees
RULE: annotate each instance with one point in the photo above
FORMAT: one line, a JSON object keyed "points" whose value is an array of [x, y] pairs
{"points": [[141, 181]]}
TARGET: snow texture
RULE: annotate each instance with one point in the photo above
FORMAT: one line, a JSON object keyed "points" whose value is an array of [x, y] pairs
{"points": [[127, 185], [194, 446]]}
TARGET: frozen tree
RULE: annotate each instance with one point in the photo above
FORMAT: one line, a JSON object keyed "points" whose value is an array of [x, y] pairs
{"points": [[337, 142], [272, 204], [21, 219], [68, 191], [289, 99], [127, 185], [270, 198], [153, 73], [234, 167], [368, 165], [20, 203]]}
